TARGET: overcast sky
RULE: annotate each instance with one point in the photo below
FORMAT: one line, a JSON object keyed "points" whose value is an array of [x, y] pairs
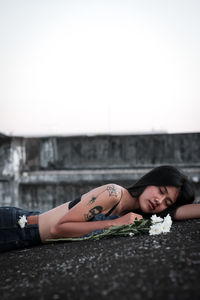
{"points": [[86, 67]]}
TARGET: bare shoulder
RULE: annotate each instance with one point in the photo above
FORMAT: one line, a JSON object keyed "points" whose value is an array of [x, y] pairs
{"points": [[115, 191], [110, 191], [97, 200]]}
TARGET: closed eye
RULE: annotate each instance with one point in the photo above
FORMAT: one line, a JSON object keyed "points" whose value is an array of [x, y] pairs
{"points": [[161, 191]]}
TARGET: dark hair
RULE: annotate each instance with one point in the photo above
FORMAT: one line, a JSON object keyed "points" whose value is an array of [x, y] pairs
{"points": [[165, 176]]}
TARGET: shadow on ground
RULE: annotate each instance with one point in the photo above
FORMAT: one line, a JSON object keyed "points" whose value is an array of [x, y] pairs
{"points": [[139, 267]]}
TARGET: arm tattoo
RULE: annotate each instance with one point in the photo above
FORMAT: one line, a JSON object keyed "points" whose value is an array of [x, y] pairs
{"points": [[92, 212], [112, 190], [92, 200]]}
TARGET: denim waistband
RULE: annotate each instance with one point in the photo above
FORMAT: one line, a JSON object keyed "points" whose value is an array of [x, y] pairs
{"points": [[12, 236]]}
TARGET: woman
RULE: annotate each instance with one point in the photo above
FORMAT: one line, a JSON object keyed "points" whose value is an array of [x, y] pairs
{"points": [[163, 190]]}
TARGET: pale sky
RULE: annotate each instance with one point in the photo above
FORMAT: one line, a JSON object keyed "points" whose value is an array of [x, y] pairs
{"points": [[99, 66]]}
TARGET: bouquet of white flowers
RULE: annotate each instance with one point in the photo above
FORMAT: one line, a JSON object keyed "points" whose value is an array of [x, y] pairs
{"points": [[155, 225], [159, 225]]}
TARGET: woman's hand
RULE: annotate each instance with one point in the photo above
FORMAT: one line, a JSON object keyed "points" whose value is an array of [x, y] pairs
{"points": [[127, 219], [76, 229]]}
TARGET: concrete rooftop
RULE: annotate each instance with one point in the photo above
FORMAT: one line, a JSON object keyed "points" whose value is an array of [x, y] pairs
{"points": [[136, 268]]}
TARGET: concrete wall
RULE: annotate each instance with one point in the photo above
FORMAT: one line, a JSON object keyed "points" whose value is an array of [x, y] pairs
{"points": [[39, 173]]}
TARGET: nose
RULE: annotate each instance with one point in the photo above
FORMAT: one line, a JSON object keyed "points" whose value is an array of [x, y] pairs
{"points": [[159, 200]]}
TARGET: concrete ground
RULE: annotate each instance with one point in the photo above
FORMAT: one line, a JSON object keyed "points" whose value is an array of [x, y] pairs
{"points": [[137, 268]]}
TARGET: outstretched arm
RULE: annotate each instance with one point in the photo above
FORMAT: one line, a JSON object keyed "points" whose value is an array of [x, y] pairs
{"points": [[189, 211]]}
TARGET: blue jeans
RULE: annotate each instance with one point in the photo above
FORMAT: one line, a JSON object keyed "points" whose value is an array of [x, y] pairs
{"points": [[12, 236]]}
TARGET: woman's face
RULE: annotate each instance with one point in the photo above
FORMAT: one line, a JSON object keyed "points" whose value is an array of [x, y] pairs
{"points": [[155, 199]]}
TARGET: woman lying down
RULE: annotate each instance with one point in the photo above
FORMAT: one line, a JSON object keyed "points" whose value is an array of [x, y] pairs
{"points": [[162, 191]]}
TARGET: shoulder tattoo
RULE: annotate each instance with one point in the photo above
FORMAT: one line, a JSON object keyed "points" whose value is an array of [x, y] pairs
{"points": [[114, 190]]}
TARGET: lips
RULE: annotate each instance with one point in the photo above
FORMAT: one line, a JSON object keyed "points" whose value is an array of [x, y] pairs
{"points": [[152, 205]]}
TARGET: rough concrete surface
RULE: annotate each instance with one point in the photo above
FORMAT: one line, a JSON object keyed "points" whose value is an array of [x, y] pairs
{"points": [[139, 267]]}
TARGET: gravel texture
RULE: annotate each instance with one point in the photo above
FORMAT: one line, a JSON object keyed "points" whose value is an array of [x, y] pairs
{"points": [[139, 267]]}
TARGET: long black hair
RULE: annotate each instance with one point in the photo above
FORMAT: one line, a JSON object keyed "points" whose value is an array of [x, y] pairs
{"points": [[165, 176]]}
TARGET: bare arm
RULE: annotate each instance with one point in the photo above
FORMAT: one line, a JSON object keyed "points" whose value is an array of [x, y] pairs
{"points": [[100, 200], [189, 211], [76, 229]]}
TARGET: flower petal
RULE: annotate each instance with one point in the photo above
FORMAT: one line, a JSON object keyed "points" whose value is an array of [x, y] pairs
{"points": [[155, 219], [22, 221]]}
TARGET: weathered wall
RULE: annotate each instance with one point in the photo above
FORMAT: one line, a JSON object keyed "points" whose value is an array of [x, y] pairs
{"points": [[39, 173], [111, 151]]}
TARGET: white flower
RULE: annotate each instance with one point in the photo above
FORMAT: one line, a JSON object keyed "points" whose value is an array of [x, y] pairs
{"points": [[131, 234], [22, 221], [165, 227], [155, 219], [155, 229], [167, 223], [168, 220], [160, 226]]}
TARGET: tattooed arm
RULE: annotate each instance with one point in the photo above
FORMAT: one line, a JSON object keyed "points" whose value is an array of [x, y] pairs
{"points": [[100, 200]]}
